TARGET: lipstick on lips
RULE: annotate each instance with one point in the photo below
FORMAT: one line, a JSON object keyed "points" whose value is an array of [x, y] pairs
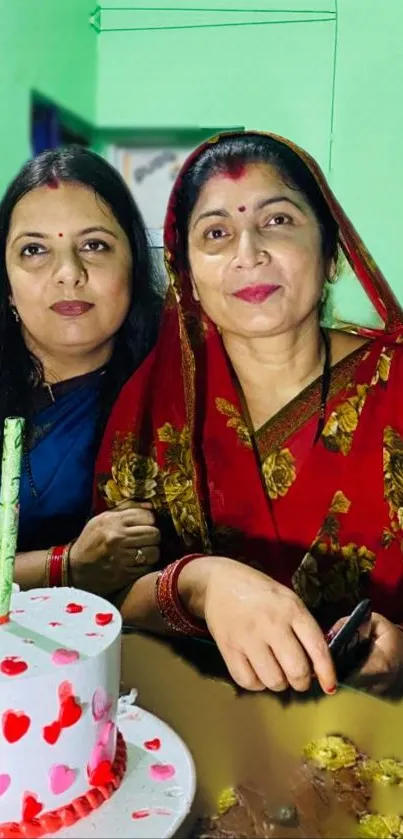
{"points": [[71, 308], [256, 293]]}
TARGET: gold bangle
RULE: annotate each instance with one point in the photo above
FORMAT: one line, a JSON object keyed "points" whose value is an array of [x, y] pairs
{"points": [[66, 564]]}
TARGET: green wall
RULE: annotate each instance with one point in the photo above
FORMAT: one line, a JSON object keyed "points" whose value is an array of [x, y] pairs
{"points": [[330, 78], [182, 68], [49, 47], [367, 154]]}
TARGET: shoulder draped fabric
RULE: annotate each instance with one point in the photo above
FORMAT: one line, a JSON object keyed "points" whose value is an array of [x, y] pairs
{"points": [[324, 519], [62, 451]]}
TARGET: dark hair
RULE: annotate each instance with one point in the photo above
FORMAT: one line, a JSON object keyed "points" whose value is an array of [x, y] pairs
{"points": [[20, 371], [229, 154]]}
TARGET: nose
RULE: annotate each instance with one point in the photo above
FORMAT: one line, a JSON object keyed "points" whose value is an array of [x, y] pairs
{"points": [[69, 271], [249, 252]]}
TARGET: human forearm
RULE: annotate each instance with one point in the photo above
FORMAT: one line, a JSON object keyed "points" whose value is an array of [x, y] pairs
{"points": [[30, 569], [139, 608], [139, 605]]}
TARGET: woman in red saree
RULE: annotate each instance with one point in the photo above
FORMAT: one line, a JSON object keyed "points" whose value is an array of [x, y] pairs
{"points": [[270, 447]]}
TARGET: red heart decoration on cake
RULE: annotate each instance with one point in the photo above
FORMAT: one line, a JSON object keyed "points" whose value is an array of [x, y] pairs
{"points": [[74, 608], [13, 666], [70, 712], [15, 724], [31, 807], [51, 733], [102, 774], [103, 618], [141, 814], [153, 745]]}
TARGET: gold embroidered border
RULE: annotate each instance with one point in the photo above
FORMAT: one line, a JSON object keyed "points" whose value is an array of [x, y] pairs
{"points": [[301, 409]]}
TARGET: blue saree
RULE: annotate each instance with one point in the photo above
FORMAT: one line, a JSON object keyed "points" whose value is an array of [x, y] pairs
{"points": [[58, 467]]}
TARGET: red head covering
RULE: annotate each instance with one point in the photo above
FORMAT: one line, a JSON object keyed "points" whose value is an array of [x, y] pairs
{"points": [[178, 427]]}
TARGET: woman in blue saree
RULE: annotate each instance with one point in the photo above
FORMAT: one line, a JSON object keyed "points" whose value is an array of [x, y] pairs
{"points": [[79, 311]]}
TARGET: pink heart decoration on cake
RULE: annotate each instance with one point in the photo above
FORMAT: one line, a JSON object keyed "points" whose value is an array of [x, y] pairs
{"points": [[107, 735], [15, 725], [161, 771], [97, 756], [61, 779], [65, 690], [31, 807], [63, 656], [103, 750], [5, 782], [101, 704]]}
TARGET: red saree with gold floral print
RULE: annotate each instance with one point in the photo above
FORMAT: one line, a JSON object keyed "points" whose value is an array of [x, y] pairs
{"points": [[324, 518]]}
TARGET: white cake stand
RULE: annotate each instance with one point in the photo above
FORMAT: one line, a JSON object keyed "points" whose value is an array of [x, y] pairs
{"points": [[157, 791]]}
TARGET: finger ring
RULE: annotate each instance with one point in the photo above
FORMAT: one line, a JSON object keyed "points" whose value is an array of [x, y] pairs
{"points": [[139, 557]]}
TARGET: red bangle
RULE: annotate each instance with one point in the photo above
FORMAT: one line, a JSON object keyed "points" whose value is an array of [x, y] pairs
{"points": [[57, 566], [169, 604]]}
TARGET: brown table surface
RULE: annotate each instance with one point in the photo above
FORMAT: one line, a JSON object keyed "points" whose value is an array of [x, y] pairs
{"points": [[224, 731]]}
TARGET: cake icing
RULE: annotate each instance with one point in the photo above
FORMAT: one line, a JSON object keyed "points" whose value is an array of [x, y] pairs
{"points": [[59, 689]]}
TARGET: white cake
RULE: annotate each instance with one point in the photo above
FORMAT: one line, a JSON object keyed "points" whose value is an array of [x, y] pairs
{"points": [[59, 688]]}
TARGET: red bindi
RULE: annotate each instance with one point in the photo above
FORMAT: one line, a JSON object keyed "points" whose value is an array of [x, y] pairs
{"points": [[241, 209], [61, 235]]}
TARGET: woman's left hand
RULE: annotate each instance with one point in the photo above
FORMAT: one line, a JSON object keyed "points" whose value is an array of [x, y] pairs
{"points": [[382, 671]]}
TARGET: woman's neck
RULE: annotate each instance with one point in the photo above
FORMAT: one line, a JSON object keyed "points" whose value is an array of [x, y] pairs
{"points": [[60, 368], [273, 370]]}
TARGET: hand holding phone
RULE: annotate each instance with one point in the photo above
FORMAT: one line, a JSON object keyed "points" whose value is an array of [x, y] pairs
{"points": [[350, 644]]}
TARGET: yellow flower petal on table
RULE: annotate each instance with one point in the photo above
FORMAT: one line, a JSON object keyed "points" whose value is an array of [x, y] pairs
{"points": [[373, 826], [386, 771], [227, 799], [331, 753]]}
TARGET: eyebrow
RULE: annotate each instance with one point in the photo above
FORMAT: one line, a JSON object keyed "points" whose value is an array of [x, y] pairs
{"points": [[276, 199], [33, 234]]}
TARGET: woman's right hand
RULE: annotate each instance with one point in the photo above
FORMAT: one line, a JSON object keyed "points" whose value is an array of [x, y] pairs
{"points": [[265, 633], [114, 549]]}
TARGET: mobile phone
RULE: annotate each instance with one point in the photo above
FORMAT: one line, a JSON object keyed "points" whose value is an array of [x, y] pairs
{"points": [[350, 645]]}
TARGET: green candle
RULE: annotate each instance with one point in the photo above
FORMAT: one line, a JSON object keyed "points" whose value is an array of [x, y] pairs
{"points": [[9, 508]]}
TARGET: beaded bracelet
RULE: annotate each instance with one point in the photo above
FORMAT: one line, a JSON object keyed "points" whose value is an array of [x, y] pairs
{"points": [[57, 566], [169, 604]]}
